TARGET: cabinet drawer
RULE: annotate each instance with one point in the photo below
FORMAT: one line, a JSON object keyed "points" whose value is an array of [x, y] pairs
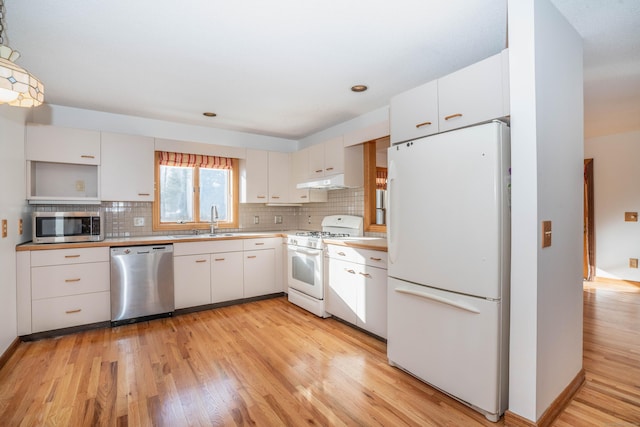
{"points": [[360, 256], [74, 310], [62, 280], [264, 243], [69, 256], [209, 247]]}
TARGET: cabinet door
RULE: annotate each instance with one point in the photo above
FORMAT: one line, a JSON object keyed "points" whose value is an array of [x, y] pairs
{"points": [[342, 294], [472, 95], [278, 177], [298, 169], [227, 276], [372, 300], [259, 273], [316, 161], [256, 176], [127, 167], [62, 145], [334, 156], [192, 284], [414, 113]]}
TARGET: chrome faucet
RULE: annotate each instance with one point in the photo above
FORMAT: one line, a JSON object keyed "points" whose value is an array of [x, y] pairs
{"points": [[214, 219]]}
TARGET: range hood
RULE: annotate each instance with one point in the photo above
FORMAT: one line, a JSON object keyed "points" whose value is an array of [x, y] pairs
{"points": [[333, 182]]}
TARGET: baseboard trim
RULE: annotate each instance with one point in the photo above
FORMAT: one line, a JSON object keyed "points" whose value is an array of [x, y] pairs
{"points": [[9, 352], [556, 407]]}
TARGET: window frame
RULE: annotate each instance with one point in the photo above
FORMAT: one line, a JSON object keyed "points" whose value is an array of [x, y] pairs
{"points": [[234, 201]]}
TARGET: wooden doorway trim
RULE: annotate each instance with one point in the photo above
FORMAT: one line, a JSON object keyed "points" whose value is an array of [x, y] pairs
{"points": [[589, 251]]}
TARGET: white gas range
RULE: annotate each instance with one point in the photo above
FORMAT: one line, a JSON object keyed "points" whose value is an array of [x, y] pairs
{"points": [[305, 256]]}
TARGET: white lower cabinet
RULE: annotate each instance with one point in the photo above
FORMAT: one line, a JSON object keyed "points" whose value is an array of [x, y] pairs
{"points": [[192, 278], [61, 288], [357, 287], [227, 278], [226, 270], [259, 273]]}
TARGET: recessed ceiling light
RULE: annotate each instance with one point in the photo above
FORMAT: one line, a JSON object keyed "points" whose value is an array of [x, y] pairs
{"points": [[359, 88], [209, 114]]}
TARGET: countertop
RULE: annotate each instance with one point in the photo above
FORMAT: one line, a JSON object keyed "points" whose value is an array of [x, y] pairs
{"points": [[374, 243]]}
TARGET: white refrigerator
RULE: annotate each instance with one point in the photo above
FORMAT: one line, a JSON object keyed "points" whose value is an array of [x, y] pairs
{"points": [[449, 249]]}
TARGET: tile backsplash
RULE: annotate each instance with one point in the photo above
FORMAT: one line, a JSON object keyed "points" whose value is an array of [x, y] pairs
{"points": [[119, 216]]}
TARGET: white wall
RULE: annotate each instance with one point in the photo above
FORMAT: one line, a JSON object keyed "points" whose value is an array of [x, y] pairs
{"points": [[616, 191], [547, 157], [12, 208], [58, 115]]}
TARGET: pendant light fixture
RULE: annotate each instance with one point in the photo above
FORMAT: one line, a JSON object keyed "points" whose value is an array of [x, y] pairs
{"points": [[18, 87]]}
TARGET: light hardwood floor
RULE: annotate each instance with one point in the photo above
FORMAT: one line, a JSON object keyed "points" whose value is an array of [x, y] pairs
{"points": [[271, 363]]}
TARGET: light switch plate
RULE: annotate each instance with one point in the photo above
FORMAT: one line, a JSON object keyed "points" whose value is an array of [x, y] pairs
{"points": [[138, 221], [5, 230], [631, 216], [546, 234], [633, 262]]}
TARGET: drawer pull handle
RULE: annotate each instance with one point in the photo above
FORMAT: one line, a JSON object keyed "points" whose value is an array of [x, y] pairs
{"points": [[144, 194], [219, 259], [72, 256], [73, 311], [375, 259], [419, 125], [86, 156], [367, 275], [261, 197], [275, 197], [251, 256], [303, 197], [319, 170], [259, 243], [201, 260], [348, 270], [453, 116], [329, 169], [72, 280], [342, 254]]}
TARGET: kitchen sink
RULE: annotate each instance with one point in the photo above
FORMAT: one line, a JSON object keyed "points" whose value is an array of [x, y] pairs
{"points": [[200, 236]]}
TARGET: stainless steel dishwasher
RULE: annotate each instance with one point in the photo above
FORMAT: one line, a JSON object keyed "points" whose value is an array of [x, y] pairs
{"points": [[141, 282]]}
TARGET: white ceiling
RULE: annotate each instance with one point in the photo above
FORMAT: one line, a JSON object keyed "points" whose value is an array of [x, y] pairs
{"points": [[284, 67]]}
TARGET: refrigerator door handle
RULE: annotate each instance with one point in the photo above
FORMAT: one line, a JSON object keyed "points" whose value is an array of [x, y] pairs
{"points": [[393, 244], [442, 300]]}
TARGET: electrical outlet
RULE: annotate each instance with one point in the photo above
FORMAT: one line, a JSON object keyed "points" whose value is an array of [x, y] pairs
{"points": [[546, 234], [138, 221], [309, 219], [277, 219], [80, 185], [633, 262], [20, 227], [256, 219], [5, 227]]}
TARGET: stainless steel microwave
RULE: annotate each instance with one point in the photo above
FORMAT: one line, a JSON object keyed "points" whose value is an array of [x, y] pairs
{"points": [[60, 227]]}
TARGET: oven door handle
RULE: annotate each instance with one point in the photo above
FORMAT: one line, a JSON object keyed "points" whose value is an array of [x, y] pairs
{"points": [[307, 252]]}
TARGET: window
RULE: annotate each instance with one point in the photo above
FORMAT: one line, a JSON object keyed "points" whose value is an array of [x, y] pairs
{"points": [[188, 185], [375, 184]]}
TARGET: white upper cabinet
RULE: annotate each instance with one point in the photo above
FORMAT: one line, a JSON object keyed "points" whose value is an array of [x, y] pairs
{"points": [[414, 113], [62, 145], [127, 167], [255, 177], [326, 159], [278, 182], [474, 94], [299, 168]]}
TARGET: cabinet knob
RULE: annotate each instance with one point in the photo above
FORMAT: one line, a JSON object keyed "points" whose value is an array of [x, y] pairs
{"points": [[71, 280], [251, 256], [73, 311], [375, 259], [342, 254], [72, 256], [275, 197], [262, 197], [348, 270], [419, 125], [219, 259], [259, 243], [453, 116], [329, 169], [303, 197], [367, 275], [86, 156], [144, 194], [201, 260], [319, 170]]}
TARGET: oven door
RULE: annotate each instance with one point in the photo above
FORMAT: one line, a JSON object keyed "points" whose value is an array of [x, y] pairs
{"points": [[304, 273]]}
